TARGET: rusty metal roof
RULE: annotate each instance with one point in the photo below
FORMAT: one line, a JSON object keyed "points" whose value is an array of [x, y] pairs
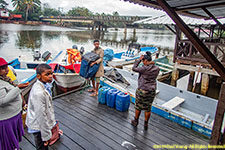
{"points": [[189, 7]]}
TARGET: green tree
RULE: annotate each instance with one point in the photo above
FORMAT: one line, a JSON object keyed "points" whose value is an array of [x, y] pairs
{"points": [[3, 4], [26, 6], [79, 11], [51, 12]]}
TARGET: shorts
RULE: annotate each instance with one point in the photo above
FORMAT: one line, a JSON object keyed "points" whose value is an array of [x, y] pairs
{"points": [[97, 79]]}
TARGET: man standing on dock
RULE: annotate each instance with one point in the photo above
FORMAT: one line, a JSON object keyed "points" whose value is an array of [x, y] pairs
{"points": [[98, 50]]}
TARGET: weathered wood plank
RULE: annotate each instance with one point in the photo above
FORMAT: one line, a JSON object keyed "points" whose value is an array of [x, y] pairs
{"points": [[108, 127], [26, 145], [93, 128], [173, 126], [116, 114]]}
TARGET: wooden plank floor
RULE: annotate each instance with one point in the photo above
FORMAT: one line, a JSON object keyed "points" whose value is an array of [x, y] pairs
{"points": [[89, 125]]}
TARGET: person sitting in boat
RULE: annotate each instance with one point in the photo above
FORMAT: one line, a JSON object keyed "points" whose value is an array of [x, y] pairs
{"points": [[145, 93], [98, 50], [11, 126]]}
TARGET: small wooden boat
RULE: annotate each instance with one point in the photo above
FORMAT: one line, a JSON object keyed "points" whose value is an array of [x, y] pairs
{"points": [[188, 109], [128, 57], [67, 78]]}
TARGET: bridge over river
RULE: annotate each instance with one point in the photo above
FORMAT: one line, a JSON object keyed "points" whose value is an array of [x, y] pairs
{"points": [[95, 21]]}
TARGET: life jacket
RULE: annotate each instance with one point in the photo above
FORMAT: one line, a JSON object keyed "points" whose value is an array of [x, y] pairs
{"points": [[73, 56], [11, 75]]}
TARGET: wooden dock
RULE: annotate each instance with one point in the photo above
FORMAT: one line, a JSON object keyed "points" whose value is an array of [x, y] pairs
{"points": [[89, 125]]}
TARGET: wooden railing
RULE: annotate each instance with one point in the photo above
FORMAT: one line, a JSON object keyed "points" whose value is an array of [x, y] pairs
{"points": [[185, 52]]}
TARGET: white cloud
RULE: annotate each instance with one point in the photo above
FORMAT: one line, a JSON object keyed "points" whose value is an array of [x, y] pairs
{"points": [[100, 6]]}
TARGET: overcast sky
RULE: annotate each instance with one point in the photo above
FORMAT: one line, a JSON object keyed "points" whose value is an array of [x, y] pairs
{"points": [[100, 6]]}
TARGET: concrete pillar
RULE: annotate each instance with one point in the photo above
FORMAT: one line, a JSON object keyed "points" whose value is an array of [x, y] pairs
{"points": [[175, 75], [204, 84], [191, 81]]}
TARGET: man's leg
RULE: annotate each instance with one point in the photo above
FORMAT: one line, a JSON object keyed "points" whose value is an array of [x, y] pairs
{"points": [[147, 116], [136, 118], [97, 84], [93, 85], [38, 142]]}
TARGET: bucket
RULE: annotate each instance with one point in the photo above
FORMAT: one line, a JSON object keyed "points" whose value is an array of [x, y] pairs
{"points": [[111, 97], [122, 101], [102, 93]]}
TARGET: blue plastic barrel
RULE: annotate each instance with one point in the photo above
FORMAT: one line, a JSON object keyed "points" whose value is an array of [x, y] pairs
{"points": [[102, 92], [111, 97], [122, 101]]}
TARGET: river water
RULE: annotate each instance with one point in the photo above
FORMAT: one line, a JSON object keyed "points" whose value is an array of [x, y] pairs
{"points": [[22, 40]]}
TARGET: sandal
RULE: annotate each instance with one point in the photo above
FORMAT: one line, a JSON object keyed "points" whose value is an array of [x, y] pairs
{"points": [[91, 90], [134, 122]]}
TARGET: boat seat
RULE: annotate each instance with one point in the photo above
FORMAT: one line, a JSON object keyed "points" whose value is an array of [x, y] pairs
{"points": [[174, 102], [205, 118]]}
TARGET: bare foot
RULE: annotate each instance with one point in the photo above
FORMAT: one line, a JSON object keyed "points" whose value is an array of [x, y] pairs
{"points": [[91, 90]]}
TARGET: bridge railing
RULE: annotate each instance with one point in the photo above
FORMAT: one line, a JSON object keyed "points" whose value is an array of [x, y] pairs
{"points": [[99, 18]]}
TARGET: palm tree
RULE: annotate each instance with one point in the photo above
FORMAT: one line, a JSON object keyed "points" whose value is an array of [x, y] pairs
{"points": [[26, 5], [18, 4]]}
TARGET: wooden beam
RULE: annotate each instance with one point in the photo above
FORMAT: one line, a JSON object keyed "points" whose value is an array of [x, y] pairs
{"points": [[216, 132], [194, 39], [214, 18], [170, 29], [195, 69]]}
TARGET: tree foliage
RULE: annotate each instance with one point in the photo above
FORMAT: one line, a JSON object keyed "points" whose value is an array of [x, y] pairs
{"points": [[27, 6], [79, 11], [51, 12], [3, 4]]}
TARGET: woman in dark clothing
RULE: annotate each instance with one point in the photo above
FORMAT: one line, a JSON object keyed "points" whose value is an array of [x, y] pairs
{"points": [[145, 92]]}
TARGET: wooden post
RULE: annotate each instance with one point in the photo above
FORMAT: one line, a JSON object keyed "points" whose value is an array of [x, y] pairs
{"points": [[134, 31], [223, 137], [125, 29], [191, 80], [175, 75], [216, 132], [204, 84], [94, 28]]}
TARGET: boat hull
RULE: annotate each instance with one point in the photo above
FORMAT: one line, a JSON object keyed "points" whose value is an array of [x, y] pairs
{"points": [[68, 81], [196, 112]]}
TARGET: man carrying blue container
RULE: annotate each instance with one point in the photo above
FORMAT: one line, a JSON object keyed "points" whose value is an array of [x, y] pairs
{"points": [[96, 79]]}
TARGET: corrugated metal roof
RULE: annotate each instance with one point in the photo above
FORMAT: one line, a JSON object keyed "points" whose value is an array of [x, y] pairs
{"points": [[165, 19], [189, 7]]}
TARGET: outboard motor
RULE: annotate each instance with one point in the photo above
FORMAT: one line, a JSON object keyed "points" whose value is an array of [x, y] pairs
{"points": [[74, 47], [46, 55], [37, 55], [82, 50]]}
